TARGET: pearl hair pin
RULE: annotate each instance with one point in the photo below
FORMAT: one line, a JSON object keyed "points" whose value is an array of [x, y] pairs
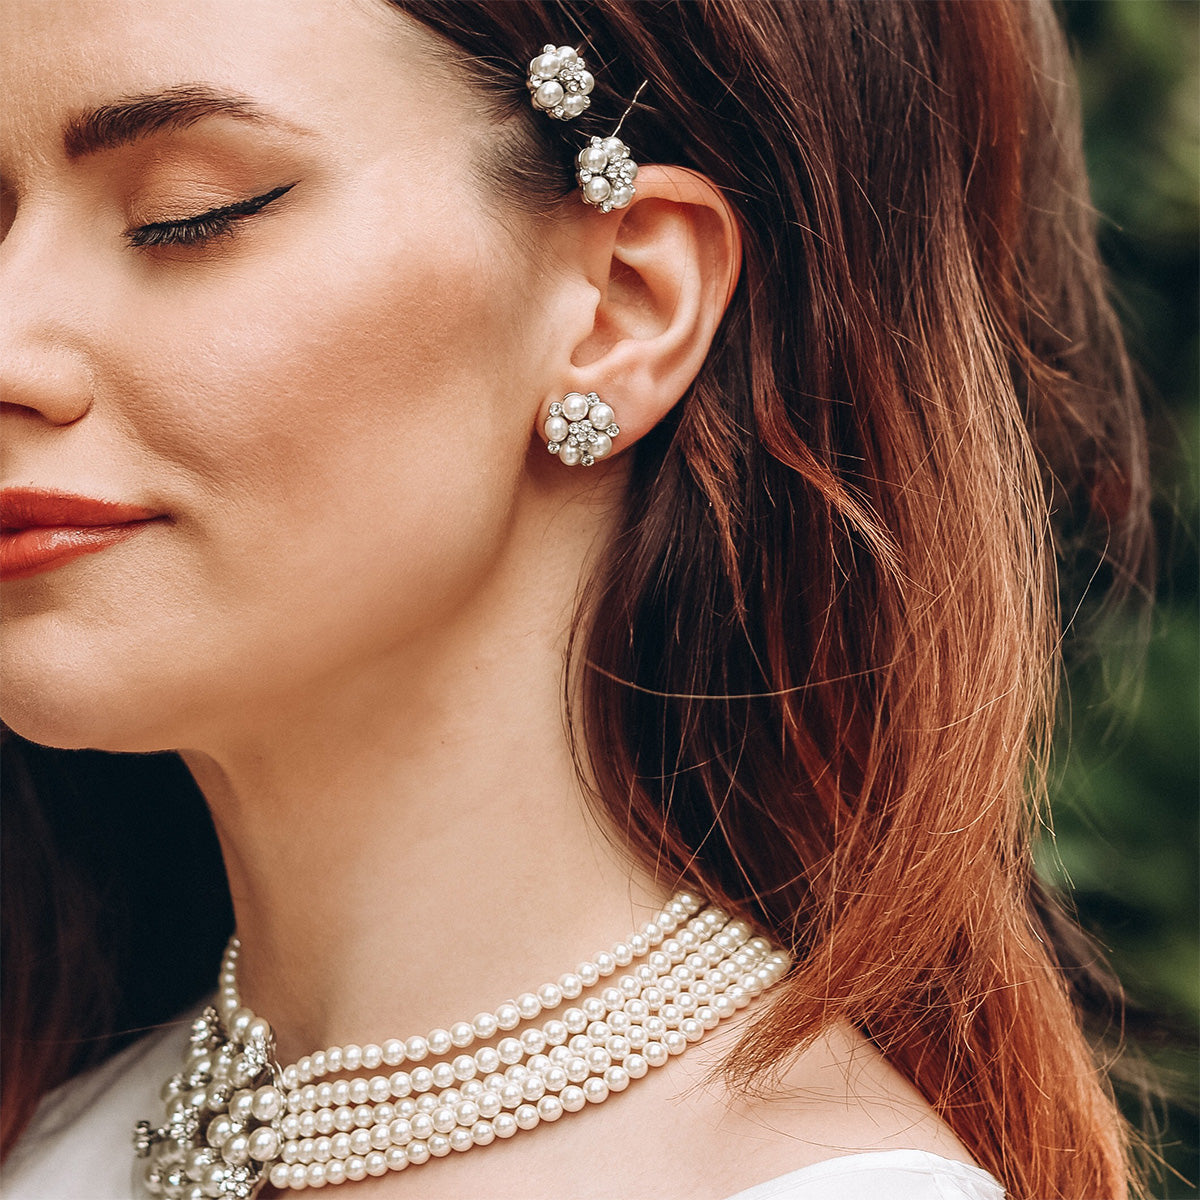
{"points": [[580, 429], [560, 84], [236, 1120]]}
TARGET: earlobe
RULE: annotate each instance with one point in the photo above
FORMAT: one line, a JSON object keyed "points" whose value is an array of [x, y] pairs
{"points": [[665, 270]]}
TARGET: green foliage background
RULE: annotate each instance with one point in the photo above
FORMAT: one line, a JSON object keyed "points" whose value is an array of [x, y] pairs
{"points": [[1124, 794]]}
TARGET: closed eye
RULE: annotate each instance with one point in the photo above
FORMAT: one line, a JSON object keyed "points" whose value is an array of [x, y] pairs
{"points": [[204, 227]]}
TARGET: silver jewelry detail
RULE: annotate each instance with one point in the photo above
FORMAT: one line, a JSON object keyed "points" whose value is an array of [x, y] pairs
{"points": [[236, 1120], [560, 82], [606, 173], [580, 429]]}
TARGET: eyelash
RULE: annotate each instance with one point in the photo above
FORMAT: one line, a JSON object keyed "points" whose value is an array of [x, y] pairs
{"points": [[192, 231]]}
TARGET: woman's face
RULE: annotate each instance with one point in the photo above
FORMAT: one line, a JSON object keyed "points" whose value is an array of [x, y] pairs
{"points": [[324, 386]]}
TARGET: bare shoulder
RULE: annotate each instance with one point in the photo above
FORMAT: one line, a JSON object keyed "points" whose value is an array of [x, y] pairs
{"points": [[840, 1096]]}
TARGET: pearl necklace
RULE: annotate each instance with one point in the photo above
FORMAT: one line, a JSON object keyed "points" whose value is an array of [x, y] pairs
{"points": [[236, 1119]]}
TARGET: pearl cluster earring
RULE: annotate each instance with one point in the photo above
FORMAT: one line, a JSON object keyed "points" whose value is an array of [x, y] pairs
{"points": [[580, 429]]}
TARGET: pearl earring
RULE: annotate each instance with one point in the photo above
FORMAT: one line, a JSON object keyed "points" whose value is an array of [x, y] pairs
{"points": [[580, 429]]}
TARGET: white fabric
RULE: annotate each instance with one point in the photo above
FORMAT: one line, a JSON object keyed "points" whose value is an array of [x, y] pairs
{"points": [[79, 1146]]}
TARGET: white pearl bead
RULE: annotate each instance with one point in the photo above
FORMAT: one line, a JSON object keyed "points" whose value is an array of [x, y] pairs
{"points": [[548, 94], [655, 1053], [636, 1065], [597, 189], [484, 1025], [575, 408], [592, 158], [263, 1144], [526, 1116], [376, 1164], [395, 1158], [297, 1176], [258, 1030], [439, 1041], [528, 1005], [507, 1016], [533, 1041], [575, 103], [335, 1172], [439, 1145], [240, 1105], [568, 54], [482, 1133], [572, 1098], [236, 1150], [622, 196], [545, 65], [549, 1108], [595, 1090], [417, 1153], [393, 1052], [352, 1057], [504, 1125], [571, 455], [614, 148], [315, 1175], [416, 1048], [279, 1175]]}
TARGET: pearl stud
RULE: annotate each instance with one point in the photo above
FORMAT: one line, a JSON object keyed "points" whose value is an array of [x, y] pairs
{"points": [[580, 429]]}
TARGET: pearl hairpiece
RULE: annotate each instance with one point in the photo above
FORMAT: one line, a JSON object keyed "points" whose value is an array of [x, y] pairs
{"points": [[560, 84]]}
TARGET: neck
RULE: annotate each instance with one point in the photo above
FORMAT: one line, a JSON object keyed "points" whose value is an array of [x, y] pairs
{"points": [[410, 845]]}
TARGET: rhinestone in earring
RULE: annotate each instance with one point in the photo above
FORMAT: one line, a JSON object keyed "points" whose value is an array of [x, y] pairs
{"points": [[580, 429]]}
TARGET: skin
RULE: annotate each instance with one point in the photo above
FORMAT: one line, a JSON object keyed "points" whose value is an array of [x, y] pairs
{"points": [[351, 618]]}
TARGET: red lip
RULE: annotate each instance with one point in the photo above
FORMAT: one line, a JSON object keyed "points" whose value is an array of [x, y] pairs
{"points": [[41, 530]]}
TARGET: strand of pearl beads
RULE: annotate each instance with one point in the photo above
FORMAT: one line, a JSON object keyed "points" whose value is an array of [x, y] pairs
{"points": [[329, 1146], [485, 1025]]}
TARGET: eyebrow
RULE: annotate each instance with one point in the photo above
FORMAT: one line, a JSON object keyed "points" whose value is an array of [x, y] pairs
{"points": [[176, 108]]}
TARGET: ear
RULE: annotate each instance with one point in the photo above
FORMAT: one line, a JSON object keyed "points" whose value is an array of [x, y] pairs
{"points": [[662, 272]]}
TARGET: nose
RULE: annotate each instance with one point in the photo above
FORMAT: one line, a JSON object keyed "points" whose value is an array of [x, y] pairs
{"points": [[45, 368]]}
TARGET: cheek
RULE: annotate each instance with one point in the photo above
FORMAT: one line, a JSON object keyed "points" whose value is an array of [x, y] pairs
{"points": [[339, 443]]}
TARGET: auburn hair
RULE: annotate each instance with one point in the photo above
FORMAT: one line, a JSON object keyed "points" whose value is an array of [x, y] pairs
{"points": [[819, 658]]}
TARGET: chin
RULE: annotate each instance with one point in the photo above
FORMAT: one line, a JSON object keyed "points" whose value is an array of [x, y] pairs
{"points": [[67, 711]]}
